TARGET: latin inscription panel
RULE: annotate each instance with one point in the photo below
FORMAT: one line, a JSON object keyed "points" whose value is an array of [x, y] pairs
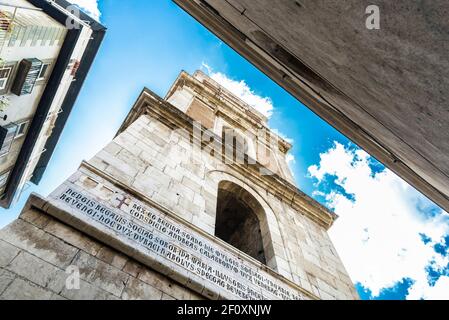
{"points": [[169, 240]]}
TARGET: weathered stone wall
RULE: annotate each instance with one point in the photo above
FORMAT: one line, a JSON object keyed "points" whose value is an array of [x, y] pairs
{"points": [[153, 169], [153, 159], [217, 109], [312, 257], [36, 251]]}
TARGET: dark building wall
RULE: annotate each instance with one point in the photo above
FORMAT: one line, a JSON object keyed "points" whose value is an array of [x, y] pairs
{"points": [[384, 89]]}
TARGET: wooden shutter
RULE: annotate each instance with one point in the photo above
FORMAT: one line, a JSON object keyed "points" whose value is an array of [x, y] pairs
{"points": [[26, 76]]}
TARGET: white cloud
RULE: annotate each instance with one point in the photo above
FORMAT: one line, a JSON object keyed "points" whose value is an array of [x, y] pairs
{"points": [[378, 234], [90, 7], [262, 104], [290, 159], [239, 88], [317, 193], [437, 292]]}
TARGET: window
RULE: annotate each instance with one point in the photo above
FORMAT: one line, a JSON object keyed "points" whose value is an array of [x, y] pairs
{"points": [[5, 21], [21, 129], [26, 76], [43, 71], [7, 135], [238, 220], [5, 73]]}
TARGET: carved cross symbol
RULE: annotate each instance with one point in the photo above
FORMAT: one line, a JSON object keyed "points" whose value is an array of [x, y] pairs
{"points": [[121, 199]]}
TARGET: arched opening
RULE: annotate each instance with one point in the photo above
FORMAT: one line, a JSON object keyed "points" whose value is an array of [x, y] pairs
{"points": [[238, 220]]}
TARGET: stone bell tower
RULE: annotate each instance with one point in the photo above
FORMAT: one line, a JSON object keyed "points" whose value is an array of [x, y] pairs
{"points": [[193, 199]]}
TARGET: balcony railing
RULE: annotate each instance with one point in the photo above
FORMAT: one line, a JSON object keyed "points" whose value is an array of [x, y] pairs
{"points": [[21, 25], [6, 21]]}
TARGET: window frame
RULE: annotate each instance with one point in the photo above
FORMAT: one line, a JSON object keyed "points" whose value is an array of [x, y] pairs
{"points": [[24, 123], [12, 127], [8, 78], [13, 66], [44, 64]]}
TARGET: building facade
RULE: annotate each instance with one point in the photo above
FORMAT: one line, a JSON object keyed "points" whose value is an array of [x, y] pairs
{"points": [[42, 47], [193, 199]]}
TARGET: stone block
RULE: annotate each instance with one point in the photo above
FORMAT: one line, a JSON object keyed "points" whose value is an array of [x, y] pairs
{"points": [[119, 175], [152, 164], [178, 292], [98, 163], [315, 291], [183, 214], [208, 194], [86, 291], [205, 219], [195, 169], [132, 268], [167, 297], [130, 159], [344, 277], [189, 206], [113, 148], [35, 217], [7, 253], [199, 222], [164, 284], [165, 199], [73, 237], [199, 200], [101, 274], [125, 139], [139, 290], [211, 209], [146, 185], [147, 151], [135, 150], [47, 247], [324, 286], [160, 139], [189, 183], [144, 120], [305, 284], [6, 278], [326, 296], [155, 174], [173, 173], [180, 190], [119, 164], [112, 257], [21, 289], [38, 271], [173, 159]]}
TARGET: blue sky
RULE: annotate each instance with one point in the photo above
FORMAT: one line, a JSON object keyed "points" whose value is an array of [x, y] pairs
{"points": [[149, 42]]}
